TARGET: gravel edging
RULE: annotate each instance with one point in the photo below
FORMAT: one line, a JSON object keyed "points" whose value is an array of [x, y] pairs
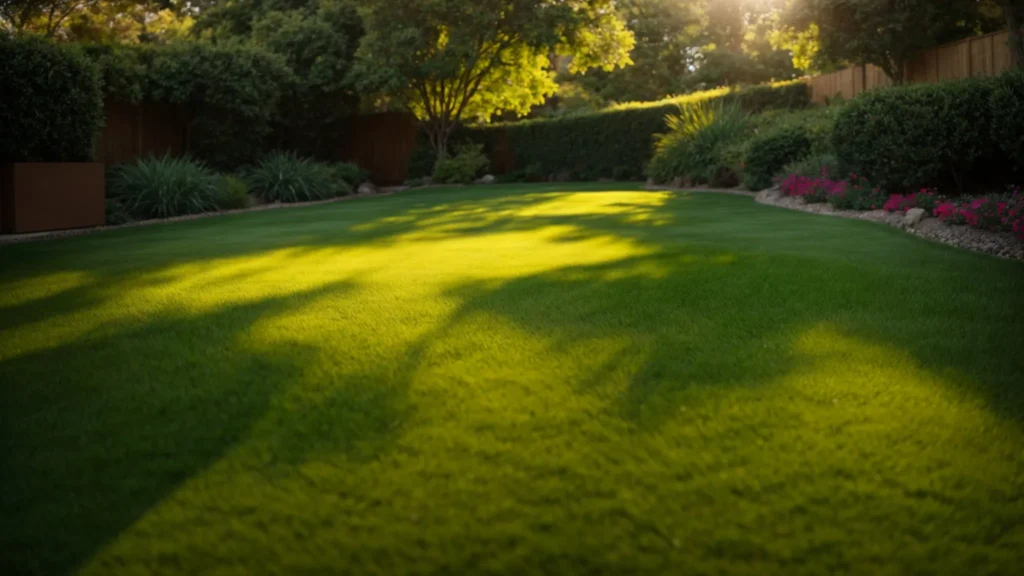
{"points": [[37, 236], [998, 244]]}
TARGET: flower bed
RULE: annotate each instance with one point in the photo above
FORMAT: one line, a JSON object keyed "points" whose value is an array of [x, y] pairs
{"points": [[996, 213]]}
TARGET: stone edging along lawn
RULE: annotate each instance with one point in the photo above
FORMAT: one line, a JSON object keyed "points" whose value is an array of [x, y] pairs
{"points": [[999, 244], [34, 236]]}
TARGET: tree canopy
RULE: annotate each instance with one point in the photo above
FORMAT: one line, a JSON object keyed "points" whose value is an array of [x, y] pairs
{"points": [[447, 60]]}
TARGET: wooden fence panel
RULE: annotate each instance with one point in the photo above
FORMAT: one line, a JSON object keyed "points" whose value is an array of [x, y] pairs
{"points": [[978, 56], [137, 131], [381, 144]]}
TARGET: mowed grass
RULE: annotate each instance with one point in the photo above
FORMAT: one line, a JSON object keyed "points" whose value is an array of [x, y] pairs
{"points": [[571, 379]]}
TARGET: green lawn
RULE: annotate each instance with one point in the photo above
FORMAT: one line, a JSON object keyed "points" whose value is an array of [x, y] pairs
{"points": [[570, 379]]}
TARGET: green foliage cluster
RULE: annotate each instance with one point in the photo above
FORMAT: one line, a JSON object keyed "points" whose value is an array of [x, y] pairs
{"points": [[52, 104], [234, 193], [462, 168], [694, 147], [286, 177], [927, 135], [163, 187], [621, 137], [1007, 109], [767, 154], [231, 90]]}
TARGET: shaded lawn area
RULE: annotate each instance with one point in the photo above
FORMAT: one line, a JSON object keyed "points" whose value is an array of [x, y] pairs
{"points": [[562, 379]]}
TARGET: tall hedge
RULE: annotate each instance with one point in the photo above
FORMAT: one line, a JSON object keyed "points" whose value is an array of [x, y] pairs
{"points": [[51, 105], [924, 135], [231, 91], [617, 141]]}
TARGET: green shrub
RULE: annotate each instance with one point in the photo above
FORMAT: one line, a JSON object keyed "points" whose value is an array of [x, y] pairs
{"points": [[815, 166], [861, 195], [1007, 109], [165, 187], [52, 103], [620, 136], [284, 177], [694, 147], [350, 173], [767, 154], [462, 168], [234, 194], [920, 136], [115, 213]]}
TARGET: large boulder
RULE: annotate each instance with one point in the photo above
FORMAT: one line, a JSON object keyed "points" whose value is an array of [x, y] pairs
{"points": [[486, 179], [367, 188]]}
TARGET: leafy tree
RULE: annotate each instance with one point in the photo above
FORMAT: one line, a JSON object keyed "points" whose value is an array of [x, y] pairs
{"points": [[884, 32], [319, 45], [446, 60], [124, 21], [667, 34]]}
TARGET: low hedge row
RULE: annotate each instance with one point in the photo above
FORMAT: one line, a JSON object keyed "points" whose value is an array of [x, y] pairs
{"points": [[616, 142]]}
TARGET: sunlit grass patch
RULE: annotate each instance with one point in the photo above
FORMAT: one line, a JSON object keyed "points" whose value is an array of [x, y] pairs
{"points": [[536, 379]]}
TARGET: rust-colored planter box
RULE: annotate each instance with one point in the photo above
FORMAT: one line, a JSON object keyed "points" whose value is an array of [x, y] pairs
{"points": [[41, 196]]}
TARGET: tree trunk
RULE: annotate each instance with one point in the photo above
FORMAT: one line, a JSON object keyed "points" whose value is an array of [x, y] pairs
{"points": [[1014, 10]]}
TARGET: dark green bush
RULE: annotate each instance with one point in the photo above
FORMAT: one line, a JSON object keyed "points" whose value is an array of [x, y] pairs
{"points": [[234, 194], [52, 105], [622, 136], [164, 187], [816, 166], [1007, 109], [350, 173], [462, 168], [768, 153], [285, 177], [919, 136], [115, 213], [859, 195]]}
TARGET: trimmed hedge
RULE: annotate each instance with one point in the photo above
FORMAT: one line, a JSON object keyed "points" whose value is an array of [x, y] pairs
{"points": [[52, 103], [232, 91], [1007, 109], [619, 139], [927, 135], [767, 154]]}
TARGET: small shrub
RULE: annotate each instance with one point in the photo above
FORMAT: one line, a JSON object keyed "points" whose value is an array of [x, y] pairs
{"points": [[813, 189], [116, 213], [284, 177], [52, 102], [462, 168], [164, 187], [819, 165], [925, 199], [769, 153], [695, 144], [234, 194], [350, 173], [998, 213], [421, 162], [858, 194]]}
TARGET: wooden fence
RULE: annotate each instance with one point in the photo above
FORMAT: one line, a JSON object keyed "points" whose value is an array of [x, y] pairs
{"points": [[136, 131], [987, 55]]}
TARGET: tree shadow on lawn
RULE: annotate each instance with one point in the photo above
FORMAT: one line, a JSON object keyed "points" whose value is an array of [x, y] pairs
{"points": [[97, 432], [705, 319]]}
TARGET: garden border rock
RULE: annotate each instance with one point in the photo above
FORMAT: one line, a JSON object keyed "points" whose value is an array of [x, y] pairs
{"points": [[998, 244]]}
